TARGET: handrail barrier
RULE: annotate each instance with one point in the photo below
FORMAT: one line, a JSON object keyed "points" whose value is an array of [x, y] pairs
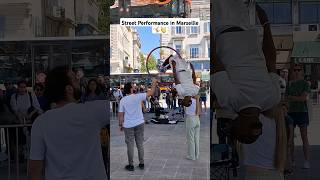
{"points": [[5, 146]]}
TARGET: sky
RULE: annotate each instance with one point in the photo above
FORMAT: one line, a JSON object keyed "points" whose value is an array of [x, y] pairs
{"points": [[148, 40]]}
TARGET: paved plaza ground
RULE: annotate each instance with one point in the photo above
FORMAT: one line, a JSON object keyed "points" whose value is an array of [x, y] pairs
{"points": [[165, 152]]}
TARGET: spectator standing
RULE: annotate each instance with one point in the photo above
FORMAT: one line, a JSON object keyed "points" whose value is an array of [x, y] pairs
{"points": [[65, 141], [193, 112], [174, 98], [131, 120], [298, 91], [43, 102], [93, 92], [283, 82], [117, 94], [83, 81], [169, 99], [22, 101], [203, 96]]}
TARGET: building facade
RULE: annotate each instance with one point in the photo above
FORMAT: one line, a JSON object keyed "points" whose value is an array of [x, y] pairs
{"points": [[21, 18], [149, 9], [124, 49], [200, 9], [192, 43], [48, 18], [295, 26], [87, 14]]}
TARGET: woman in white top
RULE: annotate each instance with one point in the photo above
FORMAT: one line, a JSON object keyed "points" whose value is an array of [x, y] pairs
{"points": [[266, 158], [193, 127]]}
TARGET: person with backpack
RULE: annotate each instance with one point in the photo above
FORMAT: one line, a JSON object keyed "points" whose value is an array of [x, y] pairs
{"points": [[24, 104], [26, 108]]}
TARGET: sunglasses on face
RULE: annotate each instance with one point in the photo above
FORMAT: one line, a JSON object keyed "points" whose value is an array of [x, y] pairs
{"points": [[297, 70]]}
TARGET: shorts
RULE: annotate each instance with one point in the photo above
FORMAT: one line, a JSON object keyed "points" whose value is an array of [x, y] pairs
{"points": [[203, 99], [300, 119], [289, 121]]}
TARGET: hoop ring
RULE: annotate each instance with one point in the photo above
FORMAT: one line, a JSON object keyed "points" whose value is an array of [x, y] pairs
{"points": [[149, 55]]}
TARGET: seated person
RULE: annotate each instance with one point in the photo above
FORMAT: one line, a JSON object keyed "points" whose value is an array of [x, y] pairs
{"points": [[185, 79], [244, 80]]}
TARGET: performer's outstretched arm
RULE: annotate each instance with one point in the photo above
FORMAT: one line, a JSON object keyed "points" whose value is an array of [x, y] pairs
{"points": [[268, 47]]}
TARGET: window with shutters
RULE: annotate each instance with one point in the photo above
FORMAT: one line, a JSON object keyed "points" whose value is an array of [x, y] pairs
{"points": [[194, 51], [194, 30], [178, 30], [206, 27]]}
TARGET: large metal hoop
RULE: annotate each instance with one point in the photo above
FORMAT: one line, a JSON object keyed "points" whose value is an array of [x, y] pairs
{"points": [[149, 55]]}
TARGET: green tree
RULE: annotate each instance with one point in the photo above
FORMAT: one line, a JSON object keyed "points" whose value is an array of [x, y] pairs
{"points": [[143, 63], [152, 64], [104, 15]]}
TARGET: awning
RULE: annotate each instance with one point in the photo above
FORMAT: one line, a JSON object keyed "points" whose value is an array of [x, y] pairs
{"points": [[306, 52]]}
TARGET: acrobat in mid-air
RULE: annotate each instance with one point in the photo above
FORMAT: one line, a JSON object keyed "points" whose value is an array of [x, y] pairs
{"points": [[184, 77]]}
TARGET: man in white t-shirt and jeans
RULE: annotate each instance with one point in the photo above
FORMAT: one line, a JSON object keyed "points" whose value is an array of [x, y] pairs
{"points": [[131, 121], [65, 141]]}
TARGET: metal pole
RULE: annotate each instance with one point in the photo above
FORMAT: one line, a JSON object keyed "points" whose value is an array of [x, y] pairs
{"points": [[9, 155], [33, 76], [17, 153]]}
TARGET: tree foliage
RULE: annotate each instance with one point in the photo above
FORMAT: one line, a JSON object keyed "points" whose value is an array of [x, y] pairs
{"points": [[152, 64], [104, 15]]}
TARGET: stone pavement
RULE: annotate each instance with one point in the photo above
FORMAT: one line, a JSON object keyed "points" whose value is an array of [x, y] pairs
{"points": [[311, 174], [165, 152]]}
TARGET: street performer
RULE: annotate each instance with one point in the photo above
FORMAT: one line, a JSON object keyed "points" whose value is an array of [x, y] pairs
{"points": [[244, 80], [184, 77]]}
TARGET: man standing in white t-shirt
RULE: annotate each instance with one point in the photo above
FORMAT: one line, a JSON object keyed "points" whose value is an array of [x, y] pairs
{"points": [[131, 120], [65, 141]]}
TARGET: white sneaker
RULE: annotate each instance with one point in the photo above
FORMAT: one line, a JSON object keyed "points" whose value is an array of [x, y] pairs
{"points": [[306, 165]]}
